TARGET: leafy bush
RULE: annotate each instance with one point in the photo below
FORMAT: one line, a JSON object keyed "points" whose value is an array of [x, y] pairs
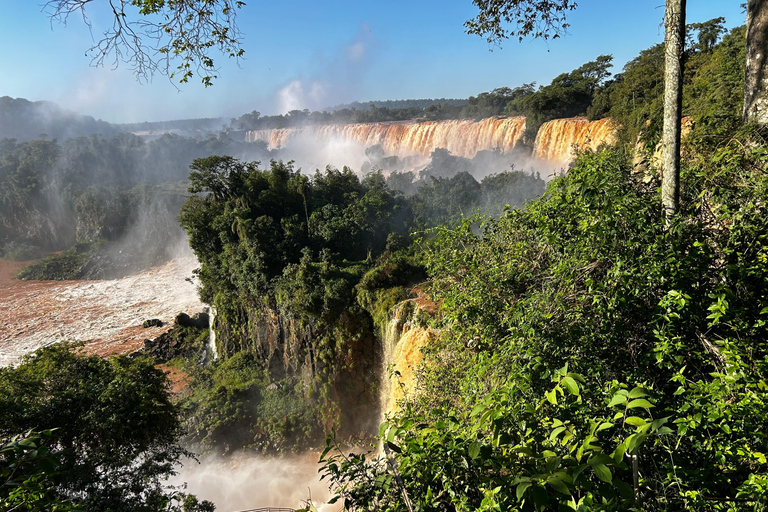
{"points": [[591, 359], [113, 434]]}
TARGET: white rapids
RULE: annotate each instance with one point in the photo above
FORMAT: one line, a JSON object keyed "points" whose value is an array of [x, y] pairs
{"points": [[106, 314]]}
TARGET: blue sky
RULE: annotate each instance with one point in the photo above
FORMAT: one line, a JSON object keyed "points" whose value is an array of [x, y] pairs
{"points": [[305, 54]]}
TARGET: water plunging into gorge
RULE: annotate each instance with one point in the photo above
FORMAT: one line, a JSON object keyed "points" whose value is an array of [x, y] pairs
{"points": [[554, 142]]}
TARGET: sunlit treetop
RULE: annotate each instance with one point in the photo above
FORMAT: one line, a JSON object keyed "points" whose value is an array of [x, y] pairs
{"points": [[501, 19], [176, 38]]}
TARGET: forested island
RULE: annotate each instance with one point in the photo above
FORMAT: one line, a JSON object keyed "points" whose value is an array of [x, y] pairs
{"points": [[584, 354]]}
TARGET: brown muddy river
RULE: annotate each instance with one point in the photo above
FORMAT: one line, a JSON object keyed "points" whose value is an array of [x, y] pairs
{"points": [[106, 314]]}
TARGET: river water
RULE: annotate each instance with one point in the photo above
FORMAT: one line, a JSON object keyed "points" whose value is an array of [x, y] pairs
{"points": [[106, 314]]}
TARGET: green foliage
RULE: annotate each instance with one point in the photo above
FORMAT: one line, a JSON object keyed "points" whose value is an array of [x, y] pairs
{"points": [[274, 236], [506, 455], [234, 404], [530, 18], [712, 85], [389, 283], [150, 36], [28, 472], [69, 264], [636, 95], [301, 271], [714, 94], [591, 359], [444, 197], [115, 430]]}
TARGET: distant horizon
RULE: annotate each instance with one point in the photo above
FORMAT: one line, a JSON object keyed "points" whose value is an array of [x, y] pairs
{"points": [[218, 118]]}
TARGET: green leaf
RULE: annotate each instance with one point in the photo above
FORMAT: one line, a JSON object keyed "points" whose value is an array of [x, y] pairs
{"points": [[635, 421], [618, 453], [637, 393], [604, 425], [394, 447], [602, 471], [635, 440], [645, 404], [477, 409], [556, 432], [570, 385], [617, 400], [552, 397], [474, 450], [558, 485], [578, 471], [521, 488]]}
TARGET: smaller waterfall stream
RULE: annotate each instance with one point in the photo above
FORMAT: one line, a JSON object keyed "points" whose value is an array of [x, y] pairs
{"points": [[402, 344], [211, 347], [391, 337]]}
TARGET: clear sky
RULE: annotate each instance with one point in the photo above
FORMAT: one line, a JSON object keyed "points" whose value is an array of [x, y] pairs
{"points": [[309, 54]]}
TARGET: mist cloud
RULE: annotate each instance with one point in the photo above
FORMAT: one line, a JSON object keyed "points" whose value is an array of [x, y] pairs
{"points": [[337, 80], [241, 483]]}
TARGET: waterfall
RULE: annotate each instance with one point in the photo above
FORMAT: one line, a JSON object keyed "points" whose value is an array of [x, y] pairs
{"points": [[212, 335], [557, 140], [391, 336], [210, 353], [401, 350], [462, 138]]}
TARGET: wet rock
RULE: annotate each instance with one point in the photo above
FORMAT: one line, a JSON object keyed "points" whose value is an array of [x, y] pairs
{"points": [[152, 322], [163, 348], [200, 320]]}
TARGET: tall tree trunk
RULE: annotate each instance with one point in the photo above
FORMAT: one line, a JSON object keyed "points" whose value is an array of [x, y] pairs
{"points": [[674, 39], [756, 78]]}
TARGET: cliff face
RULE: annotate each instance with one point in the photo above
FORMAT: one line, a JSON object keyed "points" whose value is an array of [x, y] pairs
{"points": [[334, 365]]}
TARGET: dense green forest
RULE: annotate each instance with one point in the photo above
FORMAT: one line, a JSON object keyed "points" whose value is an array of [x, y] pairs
{"points": [[392, 104], [587, 358], [325, 257]]}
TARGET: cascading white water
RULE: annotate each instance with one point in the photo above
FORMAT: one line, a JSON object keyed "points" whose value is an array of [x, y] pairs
{"points": [[106, 314], [401, 354], [211, 343], [387, 377]]}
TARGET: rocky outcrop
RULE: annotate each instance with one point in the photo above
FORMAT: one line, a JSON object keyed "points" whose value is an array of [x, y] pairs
{"points": [[333, 363]]}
